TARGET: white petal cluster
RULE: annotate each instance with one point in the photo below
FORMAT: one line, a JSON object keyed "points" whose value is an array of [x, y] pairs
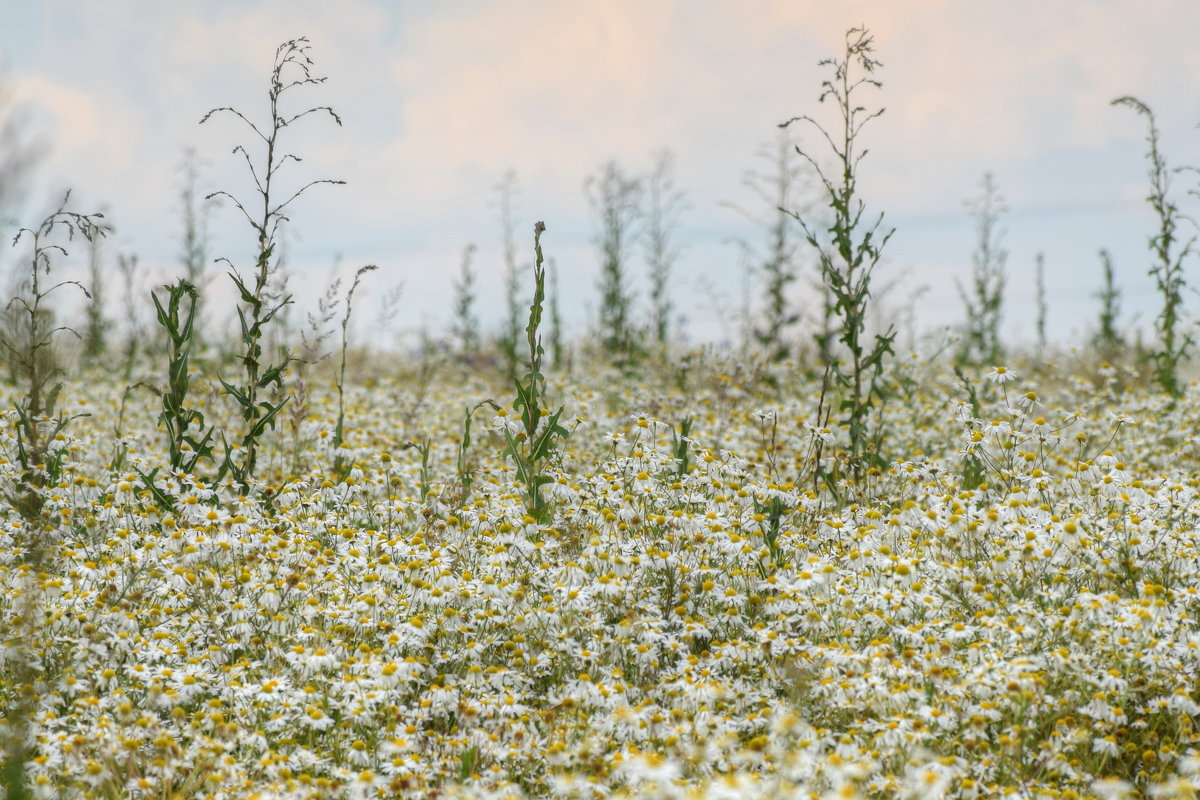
{"points": [[1010, 609]]}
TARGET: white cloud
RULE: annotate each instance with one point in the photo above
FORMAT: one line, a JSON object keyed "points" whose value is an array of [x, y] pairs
{"points": [[439, 100]]}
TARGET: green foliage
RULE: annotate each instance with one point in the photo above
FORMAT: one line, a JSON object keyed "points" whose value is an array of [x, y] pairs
{"points": [[984, 301], [12, 773], [38, 430], [186, 447], [135, 343], [463, 466], [534, 443], [849, 258], [468, 761], [194, 239], [1107, 339], [681, 444], [1169, 253], [95, 333], [339, 431], [1012, 448], [664, 204], [776, 260], [465, 328], [557, 346], [615, 200], [1042, 310], [424, 449], [509, 339], [777, 314], [31, 351], [779, 265], [771, 511], [972, 468], [670, 557], [259, 303]]}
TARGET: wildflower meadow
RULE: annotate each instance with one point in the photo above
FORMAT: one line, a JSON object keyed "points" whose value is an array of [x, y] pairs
{"points": [[821, 563]]}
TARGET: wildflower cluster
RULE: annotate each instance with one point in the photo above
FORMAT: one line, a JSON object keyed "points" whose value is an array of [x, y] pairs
{"points": [[689, 619]]}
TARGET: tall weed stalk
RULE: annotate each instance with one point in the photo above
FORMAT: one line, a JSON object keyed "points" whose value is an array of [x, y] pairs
{"points": [[1042, 309], [339, 432], [40, 459], [557, 345], [852, 252], [95, 333], [984, 301], [1169, 253], [186, 446], [532, 441], [194, 239], [616, 200], [260, 303], [776, 259], [664, 203], [465, 328], [1108, 340], [509, 339], [135, 343], [31, 351]]}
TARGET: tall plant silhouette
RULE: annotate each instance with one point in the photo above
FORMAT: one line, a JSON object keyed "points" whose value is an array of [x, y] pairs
{"points": [[853, 249], [260, 301], [984, 300], [616, 201], [664, 204], [30, 349], [533, 438], [1169, 251]]}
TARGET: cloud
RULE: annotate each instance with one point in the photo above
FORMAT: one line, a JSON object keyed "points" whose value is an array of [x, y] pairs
{"points": [[440, 99], [79, 126]]}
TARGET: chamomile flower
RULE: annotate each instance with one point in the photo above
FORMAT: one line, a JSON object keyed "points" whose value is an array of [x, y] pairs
{"points": [[1000, 375]]}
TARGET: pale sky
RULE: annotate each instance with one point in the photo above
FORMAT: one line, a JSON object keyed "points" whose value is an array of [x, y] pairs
{"points": [[440, 99]]}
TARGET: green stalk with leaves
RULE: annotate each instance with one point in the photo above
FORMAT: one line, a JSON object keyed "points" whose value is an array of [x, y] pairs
{"points": [[776, 260], [465, 328], [680, 446], [1169, 253], [260, 302], [509, 339], [95, 333], [984, 301], [194, 239], [136, 339], [186, 447], [31, 350], [557, 346], [616, 201], [1042, 310], [534, 443], [849, 259], [664, 204], [1108, 339], [972, 466], [339, 433], [463, 465]]}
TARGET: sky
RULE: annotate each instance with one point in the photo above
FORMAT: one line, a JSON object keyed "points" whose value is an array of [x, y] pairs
{"points": [[439, 100]]}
